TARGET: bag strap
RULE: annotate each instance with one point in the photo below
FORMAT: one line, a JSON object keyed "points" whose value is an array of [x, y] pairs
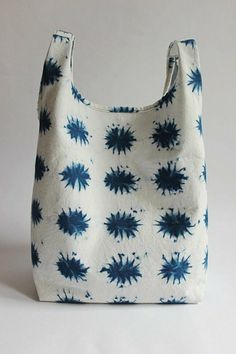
{"points": [[190, 73], [58, 61], [189, 54], [172, 63], [57, 65]]}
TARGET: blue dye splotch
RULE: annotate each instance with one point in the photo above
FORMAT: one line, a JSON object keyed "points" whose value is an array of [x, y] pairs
{"points": [[121, 180], [205, 259], [40, 168], [123, 109], [175, 269], [77, 95], [199, 125], [166, 135], [67, 298], [205, 218], [44, 121], [203, 174], [122, 225], [36, 212], [34, 255], [175, 224], [195, 80], [173, 300], [166, 99], [122, 270], [122, 300], [57, 37], [51, 73], [71, 268], [77, 130], [169, 178], [88, 295], [73, 223], [119, 139], [76, 175], [190, 42]]}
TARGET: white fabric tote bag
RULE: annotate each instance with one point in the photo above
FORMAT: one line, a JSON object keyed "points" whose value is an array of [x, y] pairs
{"points": [[119, 202]]}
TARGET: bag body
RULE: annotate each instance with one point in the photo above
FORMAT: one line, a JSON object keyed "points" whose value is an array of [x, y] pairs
{"points": [[119, 202]]}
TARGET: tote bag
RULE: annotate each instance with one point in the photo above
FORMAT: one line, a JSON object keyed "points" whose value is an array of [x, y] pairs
{"points": [[119, 202]]}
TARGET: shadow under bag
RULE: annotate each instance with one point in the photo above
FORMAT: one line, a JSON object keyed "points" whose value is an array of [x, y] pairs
{"points": [[119, 202]]}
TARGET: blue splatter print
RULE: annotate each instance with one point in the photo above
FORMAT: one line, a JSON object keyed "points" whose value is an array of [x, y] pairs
{"points": [[166, 135], [122, 270], [77, 95], [199, 125], [205, 218], [166, 99], [175, 224], [195, 80], [67, 298], [76, 174], [205, 260], [122, 300], [190, 42], [60, 38], [71, 268], [203, 175], [122, 225], [77, 130], [121, 180], [34, 255], [44, 121], [119, 139], [123, 109], [40, 168], [73, 223], [51, 73], [173, 300], [36, 212], [175, 269], [169, 178]]}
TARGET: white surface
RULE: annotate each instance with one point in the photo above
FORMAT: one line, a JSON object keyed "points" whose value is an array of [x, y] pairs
{"points": [[142, 30]]}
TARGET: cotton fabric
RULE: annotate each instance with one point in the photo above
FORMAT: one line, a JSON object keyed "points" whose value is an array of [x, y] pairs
{"points": [[119, 202]]}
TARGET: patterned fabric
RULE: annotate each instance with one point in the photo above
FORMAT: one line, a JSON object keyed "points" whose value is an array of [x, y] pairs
{"points": [[119, 204]]}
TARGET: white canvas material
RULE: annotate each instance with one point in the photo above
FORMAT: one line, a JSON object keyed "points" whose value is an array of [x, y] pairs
{"points": [[119, 203]]}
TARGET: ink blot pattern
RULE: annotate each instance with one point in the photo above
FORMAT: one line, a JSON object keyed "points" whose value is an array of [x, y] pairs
{"points": [[122, 225], [175, 269], [121, 180], [166, 135], [119, 139], [77, 130], [170, 179], [122, 270], [76, 175], [71, 268], [195, 80], [175, 224], [74, 222]]}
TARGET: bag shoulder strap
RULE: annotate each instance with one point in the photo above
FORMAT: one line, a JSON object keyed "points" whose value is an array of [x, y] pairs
{"points": [[172, 62], [58, 61], [190, 78], [189, 51], [57, 65]]}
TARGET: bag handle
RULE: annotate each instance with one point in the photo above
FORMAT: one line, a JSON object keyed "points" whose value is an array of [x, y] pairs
{"points": [[58, 61]]}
